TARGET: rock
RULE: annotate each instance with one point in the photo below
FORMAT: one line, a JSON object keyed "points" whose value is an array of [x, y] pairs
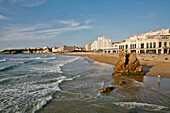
{"points": [[128, 64], [26, 52], [14, 52], [106, 89], [166, 58], [139, 69], [119, 83], [7, 52]]}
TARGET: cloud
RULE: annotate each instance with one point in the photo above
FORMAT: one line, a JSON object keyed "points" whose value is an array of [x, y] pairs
{"points": [[27, 3], [40, 31], [88, 21], [3, 17], [70, 23]]}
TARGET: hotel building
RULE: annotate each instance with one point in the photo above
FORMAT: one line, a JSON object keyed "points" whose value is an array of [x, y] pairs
{"points": [[101, 43], [151, 42]]}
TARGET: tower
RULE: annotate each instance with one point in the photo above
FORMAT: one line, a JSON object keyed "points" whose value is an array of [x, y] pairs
{"points": [[9, 47]]}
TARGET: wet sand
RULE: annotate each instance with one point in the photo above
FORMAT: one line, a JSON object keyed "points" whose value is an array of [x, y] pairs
{"points": [[152, 64]]}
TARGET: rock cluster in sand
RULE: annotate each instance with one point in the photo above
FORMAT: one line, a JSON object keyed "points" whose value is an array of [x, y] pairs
{"points": [[128, 64]]}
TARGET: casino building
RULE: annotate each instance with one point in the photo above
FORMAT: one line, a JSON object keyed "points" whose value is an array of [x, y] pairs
{"points": [[152, 42]]}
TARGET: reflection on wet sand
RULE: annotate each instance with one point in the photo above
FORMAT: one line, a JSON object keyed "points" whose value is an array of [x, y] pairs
{"points": [[137, 78], [159, 83]]}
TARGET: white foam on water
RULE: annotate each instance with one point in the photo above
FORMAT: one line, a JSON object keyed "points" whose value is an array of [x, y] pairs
{"points": [[2, 60], [37, 58], [50, 58], [41, 58], [74, 59], [130, 105], [21, 94], [138, 83], [102, 85], [67, 61], [42, 103], [70, 79], [59, 68], [4, 79], [60, 80]]}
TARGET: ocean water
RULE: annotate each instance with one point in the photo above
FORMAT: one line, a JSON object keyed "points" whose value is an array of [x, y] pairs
{"points": [[49, 83]]}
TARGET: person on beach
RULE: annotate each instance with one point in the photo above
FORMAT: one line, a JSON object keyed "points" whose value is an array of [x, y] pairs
{"points": [[159, 83], [159, 75]]}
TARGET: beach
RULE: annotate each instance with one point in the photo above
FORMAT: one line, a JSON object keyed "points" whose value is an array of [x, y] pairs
{"points": [[153, 64], [48, 83]]}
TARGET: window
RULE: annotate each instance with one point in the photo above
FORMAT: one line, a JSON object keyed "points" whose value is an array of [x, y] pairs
{"points": [[142, 45], [130, 46], [165, 44], [160, 44], [126, 46], [150, 44], [147, 45], [154, 44]]}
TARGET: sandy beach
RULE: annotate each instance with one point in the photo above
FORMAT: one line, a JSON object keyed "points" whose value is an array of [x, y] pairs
{"points": [[152, 64]]}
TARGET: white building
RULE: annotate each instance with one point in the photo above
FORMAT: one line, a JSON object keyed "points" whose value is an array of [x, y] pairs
{"points": [[101, 43], [151, 42], [55, 49], [63, 49]]}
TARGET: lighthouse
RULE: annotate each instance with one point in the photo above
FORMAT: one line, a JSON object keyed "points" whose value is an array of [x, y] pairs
{"points": [[9, 47]]}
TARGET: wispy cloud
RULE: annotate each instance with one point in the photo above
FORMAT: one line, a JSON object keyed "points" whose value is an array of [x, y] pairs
{"points": [[3, 17], [70, 23], [88, 21], [28, 3], [40, 31]]}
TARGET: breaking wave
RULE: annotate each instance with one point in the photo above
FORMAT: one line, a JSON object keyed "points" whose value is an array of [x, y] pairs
{"points": [[8, 67], [146, 106], [2, 60]]}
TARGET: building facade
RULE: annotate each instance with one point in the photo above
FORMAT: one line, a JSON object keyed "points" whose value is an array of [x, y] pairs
{"points": [[151, 42], [88, 47], [63, 49], [54, 49], [101, 43]]}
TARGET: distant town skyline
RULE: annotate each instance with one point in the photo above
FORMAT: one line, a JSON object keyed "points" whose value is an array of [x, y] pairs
{"points": [[39, 23]]}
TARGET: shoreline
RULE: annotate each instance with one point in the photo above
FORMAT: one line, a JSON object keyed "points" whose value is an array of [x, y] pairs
{"points": [[152, 64]]}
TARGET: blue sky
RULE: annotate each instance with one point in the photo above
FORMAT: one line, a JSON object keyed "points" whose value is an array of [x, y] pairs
{"points": [[39, 23]]}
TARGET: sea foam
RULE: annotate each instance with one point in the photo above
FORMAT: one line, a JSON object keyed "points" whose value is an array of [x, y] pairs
{"points": [[151, 107], [2, 60]]}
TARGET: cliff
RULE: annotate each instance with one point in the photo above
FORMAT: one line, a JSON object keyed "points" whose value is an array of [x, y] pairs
{"points": [[16, 51]]}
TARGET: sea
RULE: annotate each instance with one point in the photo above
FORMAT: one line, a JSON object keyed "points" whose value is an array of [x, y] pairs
{"points": [[50, 83]]}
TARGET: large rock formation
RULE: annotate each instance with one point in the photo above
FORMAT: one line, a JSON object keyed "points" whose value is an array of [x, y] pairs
{"points": [[128, 64]]}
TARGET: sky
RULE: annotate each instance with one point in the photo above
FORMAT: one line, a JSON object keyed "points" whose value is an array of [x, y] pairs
{"points": [[40, 23]]}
